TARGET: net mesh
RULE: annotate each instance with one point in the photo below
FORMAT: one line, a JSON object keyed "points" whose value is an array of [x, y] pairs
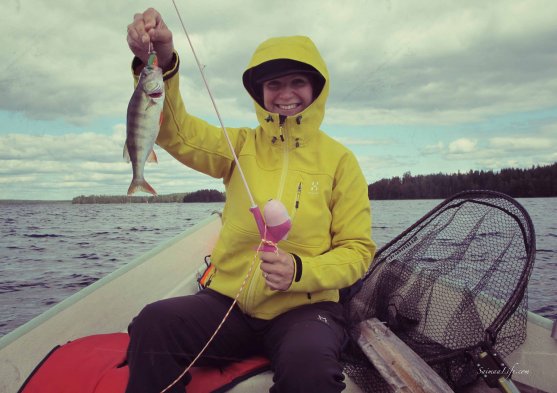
{"points": [[451, 283]]}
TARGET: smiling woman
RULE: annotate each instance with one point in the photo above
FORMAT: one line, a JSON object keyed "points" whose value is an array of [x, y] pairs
{"points": [[277, 80], [287, 95], [292, 281]]}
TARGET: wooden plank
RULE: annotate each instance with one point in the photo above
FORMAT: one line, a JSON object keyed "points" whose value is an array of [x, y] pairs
{"points": [[400, 366]]}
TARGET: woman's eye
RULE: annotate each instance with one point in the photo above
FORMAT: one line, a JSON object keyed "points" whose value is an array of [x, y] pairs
{"points": [[273, 85], [299, 82]]}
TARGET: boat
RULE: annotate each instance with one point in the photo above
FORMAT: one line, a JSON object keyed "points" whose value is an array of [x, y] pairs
{"points": [[108, 305]]}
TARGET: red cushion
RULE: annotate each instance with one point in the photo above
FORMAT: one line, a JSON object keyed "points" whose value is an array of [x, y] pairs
{"points": [[91, 365], [210, 379]]}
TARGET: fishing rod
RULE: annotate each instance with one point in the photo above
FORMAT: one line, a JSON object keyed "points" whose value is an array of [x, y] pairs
{"points": [[254, 209], [264, 230], [253, 204]]}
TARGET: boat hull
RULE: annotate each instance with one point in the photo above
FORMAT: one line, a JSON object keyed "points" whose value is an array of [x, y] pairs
{"points": [[170, 270]]}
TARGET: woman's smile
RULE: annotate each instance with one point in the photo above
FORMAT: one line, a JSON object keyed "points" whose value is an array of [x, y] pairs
{"points": [[288, 95]]}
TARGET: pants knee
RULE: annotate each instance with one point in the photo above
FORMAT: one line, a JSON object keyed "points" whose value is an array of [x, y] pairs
{"points": [[308, 372], [153, 317]]}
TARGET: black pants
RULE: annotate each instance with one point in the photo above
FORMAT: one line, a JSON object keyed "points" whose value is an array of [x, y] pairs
{"points": [[303, 344]]}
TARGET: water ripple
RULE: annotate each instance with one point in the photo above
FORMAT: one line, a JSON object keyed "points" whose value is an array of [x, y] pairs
{"points": [[38, 236], [75, 245]]}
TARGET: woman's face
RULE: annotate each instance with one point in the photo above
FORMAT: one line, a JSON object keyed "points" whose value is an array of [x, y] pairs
{"points": [[288, 95]]}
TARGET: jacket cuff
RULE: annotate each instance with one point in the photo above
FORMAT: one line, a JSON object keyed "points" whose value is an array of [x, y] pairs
{"points": [[297, 267]]}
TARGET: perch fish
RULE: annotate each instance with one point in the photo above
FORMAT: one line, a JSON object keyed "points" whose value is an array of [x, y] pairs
{"points": [[144, 118]]}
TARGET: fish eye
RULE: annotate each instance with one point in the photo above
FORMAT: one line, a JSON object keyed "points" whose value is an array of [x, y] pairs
{"points": [[151, 85]]}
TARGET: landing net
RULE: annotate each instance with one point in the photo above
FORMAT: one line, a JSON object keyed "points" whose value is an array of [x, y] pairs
{"points": [[452, 283]]}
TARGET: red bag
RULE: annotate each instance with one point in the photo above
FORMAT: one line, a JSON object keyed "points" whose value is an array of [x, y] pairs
{"points": [[96, 364]]}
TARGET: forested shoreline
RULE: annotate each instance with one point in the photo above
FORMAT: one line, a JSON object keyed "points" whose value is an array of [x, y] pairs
{"points": [[539, 181], [196, 196]]}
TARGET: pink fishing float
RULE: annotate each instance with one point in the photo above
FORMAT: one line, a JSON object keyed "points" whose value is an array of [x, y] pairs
{"points": [[273, 225]]}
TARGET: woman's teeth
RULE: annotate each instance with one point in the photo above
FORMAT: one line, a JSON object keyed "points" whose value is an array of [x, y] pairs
{"points": [[288, 107]]}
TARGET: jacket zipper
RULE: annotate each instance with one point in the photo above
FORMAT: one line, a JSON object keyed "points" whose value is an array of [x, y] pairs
{"points": [[248, 301], [254, 281], [297, 201], [284, 172]]}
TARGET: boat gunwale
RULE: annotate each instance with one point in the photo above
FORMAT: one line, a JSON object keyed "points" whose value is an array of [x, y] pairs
{"points": [[540, 320], [35, 322]]}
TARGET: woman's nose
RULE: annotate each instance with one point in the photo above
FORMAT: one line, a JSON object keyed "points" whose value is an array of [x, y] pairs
{"points": [[286, 91]]}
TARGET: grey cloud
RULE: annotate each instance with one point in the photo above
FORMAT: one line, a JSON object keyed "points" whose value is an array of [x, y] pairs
{"points": [[66, 148], [74, 62]]}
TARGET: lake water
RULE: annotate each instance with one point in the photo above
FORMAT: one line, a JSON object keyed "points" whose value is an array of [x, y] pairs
{"points": [[48, 251]]}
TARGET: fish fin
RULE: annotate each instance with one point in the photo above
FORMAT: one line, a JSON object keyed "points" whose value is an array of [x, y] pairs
{"points": [[126, 154], [140, 185], [161, 119], [152, 157]]}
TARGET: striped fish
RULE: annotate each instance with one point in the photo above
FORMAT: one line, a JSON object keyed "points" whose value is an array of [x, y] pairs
{"points": [[143, 122]]}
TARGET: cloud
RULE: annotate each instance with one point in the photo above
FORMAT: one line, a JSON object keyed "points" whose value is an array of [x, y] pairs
{"points": [[398, 62], [352, 141], [69, 165], [509, 144], [67, 147], [519, 150], [413, 68], [455, 64], [436, 148], [376, 167], [462, 146]]}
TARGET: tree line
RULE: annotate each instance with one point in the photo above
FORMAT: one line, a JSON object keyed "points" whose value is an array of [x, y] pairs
{"points": [[196, 196], [538, 181]]}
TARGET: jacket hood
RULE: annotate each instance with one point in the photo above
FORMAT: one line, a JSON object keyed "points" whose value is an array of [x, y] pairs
{"points": [[282, 50]]}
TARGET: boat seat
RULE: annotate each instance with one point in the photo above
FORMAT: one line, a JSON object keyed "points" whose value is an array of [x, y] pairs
{"points": [[96, 364]]}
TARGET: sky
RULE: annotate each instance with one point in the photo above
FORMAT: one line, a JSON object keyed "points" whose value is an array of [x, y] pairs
{"points": [[419, 86]]}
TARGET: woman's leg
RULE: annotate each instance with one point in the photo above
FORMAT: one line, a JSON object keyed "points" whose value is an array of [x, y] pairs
{"points": [[304, 345], [167, 335]]}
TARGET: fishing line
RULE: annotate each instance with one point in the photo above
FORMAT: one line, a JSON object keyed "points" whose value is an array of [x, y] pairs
{"points": [[253, 205], [202, 351], [254, 209]]}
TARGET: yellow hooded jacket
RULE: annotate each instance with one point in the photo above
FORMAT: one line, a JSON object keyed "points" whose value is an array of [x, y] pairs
{"points": [[317, 179]]}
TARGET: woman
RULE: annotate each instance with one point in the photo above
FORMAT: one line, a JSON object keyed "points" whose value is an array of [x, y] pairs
{"points": [[289, 308]]}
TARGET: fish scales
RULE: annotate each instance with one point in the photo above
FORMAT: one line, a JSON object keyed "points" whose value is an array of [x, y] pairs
{"points": [[143, 123]]}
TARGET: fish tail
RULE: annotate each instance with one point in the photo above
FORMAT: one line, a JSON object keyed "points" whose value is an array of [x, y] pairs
{"points": [[140, 185]]}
